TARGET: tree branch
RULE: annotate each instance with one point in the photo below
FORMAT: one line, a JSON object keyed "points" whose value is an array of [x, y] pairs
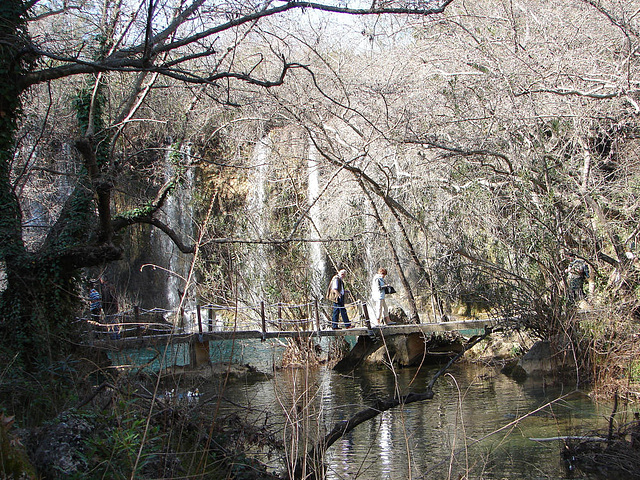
{"points": [[382, 405], [137, 58], [102, 188]]}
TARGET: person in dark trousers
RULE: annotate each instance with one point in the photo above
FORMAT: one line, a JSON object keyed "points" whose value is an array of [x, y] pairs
{"points": [[336, 293], [577, 272], [109, 305]]}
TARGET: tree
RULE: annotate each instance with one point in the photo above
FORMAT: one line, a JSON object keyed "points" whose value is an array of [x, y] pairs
{"points": [[192, 43], [481, 130]]}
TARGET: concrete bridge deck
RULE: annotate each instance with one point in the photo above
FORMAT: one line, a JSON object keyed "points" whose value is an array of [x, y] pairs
{"points": [[146, 340]]}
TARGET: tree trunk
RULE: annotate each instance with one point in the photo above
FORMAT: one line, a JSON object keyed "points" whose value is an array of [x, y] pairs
{"points": [[413, 309]]}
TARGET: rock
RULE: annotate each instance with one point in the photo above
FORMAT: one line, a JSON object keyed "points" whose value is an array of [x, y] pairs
{"points": [[403, 350], [500, 346], [545, 357], [515, 371], [58, 452], [206, 372], [396, 345]]}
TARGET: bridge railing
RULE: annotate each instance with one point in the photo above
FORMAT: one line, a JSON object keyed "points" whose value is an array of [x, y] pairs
{"points": [[271, 317], [264, 317]]}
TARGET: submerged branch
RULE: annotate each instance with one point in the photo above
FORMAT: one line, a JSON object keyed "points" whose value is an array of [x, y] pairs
{"points": [[569, 437], [382, 405]]}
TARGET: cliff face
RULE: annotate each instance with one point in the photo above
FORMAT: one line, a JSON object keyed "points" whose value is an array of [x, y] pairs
{"points": [[274, 218], [240, 204]]}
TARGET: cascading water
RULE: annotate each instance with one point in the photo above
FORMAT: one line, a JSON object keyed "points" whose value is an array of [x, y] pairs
{"points": [[178, 214], [42, 199], [316, 253], [257, 217]]}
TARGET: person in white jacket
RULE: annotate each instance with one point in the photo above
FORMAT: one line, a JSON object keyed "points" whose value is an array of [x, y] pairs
{"points": [[378, 294]]}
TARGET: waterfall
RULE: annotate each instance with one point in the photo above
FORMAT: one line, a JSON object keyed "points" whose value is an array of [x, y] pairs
{"points": [[257, 219], [42, 199], [317, 260], [178, 213]]}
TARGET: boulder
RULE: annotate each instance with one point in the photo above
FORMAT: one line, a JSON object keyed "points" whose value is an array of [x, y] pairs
{"points": [[60, 447], [500, 346], [402, 349], [544, 358]]}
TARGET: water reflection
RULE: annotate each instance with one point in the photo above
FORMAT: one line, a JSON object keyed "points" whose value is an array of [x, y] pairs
{"points": [[385, 444], [477, 426], [470, 428]]}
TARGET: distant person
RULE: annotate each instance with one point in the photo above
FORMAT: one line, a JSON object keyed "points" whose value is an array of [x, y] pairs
{"points": [[109, 299], [378, 293], [577, 272], [336, 293], [109, 305], [95, 303]]}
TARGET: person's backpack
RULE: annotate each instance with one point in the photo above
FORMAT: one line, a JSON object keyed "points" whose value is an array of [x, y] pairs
{"points": [[332, 294]]}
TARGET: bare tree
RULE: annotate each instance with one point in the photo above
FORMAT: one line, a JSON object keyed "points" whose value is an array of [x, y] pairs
{"points": [[196, 43]]}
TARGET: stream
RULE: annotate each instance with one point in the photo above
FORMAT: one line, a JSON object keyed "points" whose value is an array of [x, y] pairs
{"points": [[479, 424]]}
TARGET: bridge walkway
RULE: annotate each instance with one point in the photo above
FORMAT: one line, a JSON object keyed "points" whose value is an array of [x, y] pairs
{"points": [[138, 328]]}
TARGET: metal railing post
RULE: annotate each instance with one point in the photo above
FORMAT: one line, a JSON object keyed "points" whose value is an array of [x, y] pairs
{"points": [[136, 320], [264, 321], [280, 316], [367, 322], [199, 319]]}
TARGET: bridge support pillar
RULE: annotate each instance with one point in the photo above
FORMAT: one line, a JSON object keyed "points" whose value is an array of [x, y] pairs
{"points": [[199, 353]]}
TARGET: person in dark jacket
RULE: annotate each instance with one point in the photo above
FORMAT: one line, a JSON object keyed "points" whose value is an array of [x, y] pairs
{"points": [[577, 272], [336, 293], [95, 303]]}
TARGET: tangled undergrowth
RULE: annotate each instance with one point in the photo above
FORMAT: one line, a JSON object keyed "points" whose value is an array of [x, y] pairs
{"points": [[607, 339], [614, 455], [116, 427]]}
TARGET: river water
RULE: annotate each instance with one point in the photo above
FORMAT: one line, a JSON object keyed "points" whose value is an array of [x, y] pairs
{"points": [[479, 424]]}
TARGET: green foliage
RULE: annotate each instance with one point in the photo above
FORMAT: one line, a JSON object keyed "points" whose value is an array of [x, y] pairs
{"points": [[516, 350], [38, 394], [116, 439], [82, 104], [634, 371], [13, 63], [137, 212]]}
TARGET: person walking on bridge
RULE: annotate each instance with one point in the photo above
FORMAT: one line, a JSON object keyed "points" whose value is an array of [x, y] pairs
{"points": [[378, 293], [95, 303], [336, 293]]}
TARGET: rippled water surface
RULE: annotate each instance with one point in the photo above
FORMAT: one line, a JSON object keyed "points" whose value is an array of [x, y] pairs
{"points": [[479, 424]]}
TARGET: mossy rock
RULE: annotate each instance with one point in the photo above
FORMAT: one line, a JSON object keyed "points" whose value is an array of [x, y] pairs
{"points": [[514, 370]]}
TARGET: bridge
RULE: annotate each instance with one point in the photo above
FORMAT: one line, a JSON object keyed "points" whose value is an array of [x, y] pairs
{"points": [[139, 328]]}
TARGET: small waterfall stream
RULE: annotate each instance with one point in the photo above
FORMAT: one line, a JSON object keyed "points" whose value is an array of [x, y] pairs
{"points": [[317, 260], [178, 214], [257, 219]]}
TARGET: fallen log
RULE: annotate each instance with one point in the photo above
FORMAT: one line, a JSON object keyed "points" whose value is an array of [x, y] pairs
{"points": [[570, 437]]}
